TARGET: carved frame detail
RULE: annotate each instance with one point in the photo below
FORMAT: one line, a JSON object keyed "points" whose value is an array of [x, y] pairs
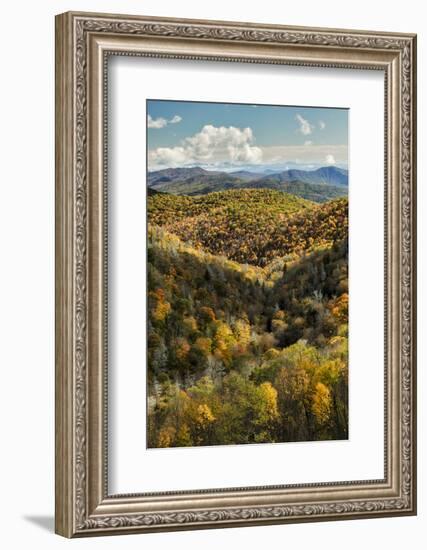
{"points": [[83, 506]]}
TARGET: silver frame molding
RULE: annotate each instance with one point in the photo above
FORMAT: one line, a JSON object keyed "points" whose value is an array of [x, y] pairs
{"points": [[83, 43]]}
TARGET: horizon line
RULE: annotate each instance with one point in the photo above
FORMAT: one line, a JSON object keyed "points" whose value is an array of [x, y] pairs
{"points": [[255, 169]]}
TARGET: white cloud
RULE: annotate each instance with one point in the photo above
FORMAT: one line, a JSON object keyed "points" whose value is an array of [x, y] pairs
{"points": [[308, 142], [162, 122], [156, 122], [330, 159], [304, 126], [322, 125], [211, 145]]}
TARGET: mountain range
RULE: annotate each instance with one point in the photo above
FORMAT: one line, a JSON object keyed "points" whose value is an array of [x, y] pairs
{"points": [[319, 185]]}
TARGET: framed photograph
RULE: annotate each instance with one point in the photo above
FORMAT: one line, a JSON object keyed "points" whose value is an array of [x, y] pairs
{"points": [[235, 274]]}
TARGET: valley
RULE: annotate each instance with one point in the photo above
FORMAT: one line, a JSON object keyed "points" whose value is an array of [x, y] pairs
{"points": [[247, 307]]}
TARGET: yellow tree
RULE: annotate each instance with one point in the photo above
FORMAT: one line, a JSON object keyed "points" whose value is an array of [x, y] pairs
{"points": [[322, 404]]}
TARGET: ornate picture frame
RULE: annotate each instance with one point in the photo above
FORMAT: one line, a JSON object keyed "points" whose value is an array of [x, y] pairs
{"points": [[84, 42]]}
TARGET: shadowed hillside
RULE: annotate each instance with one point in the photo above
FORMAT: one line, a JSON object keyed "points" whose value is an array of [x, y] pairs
{"points": [[318, 185]]}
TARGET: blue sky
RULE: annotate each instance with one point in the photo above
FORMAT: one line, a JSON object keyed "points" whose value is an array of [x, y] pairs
{"points": [[235, 136]]}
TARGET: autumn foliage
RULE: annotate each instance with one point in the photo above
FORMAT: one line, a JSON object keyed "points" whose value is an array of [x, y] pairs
{"points": [[247, 319]]}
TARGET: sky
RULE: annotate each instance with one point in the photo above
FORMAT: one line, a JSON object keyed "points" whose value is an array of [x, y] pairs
{"points": [[224, 136]]}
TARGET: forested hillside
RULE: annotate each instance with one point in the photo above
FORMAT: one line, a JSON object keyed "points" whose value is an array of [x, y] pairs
{"points": [[164, 208], [310, 191], [247, 318], [251, 225]]}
